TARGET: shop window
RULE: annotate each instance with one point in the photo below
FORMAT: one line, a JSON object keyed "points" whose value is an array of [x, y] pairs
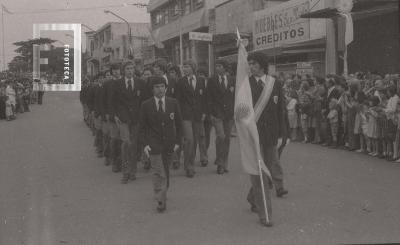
{"points": [[166, 16], [186, 6]]}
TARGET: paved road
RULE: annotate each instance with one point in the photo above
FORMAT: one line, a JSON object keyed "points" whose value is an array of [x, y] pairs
{"points": [[54, 190]]}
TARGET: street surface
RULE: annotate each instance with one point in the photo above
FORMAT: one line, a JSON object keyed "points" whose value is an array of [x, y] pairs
{"points": [[54, 190]]}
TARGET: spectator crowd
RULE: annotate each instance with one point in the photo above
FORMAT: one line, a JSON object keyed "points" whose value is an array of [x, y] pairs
{"points": [[360, 113], [16, 95]]}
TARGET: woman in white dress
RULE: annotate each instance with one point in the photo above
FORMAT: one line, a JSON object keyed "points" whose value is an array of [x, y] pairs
{"points": [[10, 102]]}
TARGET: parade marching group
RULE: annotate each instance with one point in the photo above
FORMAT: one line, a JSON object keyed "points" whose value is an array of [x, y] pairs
{"points": [[158, 116]]}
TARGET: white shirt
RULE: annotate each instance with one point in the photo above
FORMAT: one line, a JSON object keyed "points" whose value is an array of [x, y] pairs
{"points": [[263, 78], [392, 104], [291, 106], [10, 92], [132, 82], [193, 82], [166, 78], [163, 102], [223, 79]]}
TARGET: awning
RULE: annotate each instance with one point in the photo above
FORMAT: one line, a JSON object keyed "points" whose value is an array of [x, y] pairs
{"points": [[312, 46], [153, 4], [189, 23], [93, 60], [359, 5]]}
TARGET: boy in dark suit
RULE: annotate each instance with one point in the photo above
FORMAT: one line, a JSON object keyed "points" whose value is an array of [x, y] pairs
{"points": [[221, 97], [128, 94], [192, 100], [272, 129], [160, 134], [160, 69]]}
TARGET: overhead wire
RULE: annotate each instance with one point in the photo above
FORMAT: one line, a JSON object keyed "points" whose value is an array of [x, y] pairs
{"points": [[43, 11]]}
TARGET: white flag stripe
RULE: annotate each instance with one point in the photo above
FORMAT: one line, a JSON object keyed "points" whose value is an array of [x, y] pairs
{"points": [[245, 119]]}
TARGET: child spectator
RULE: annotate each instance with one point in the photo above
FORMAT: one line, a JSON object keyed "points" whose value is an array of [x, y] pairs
{"points": [[305, 107], [372, 131], [390, 111], [333, 117], [292, 114]]}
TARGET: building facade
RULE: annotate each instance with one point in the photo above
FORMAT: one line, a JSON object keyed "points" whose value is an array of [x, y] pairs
{"points": [[111, 44], [171, 19]]}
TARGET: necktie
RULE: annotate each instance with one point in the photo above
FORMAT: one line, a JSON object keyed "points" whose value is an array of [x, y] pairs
{"points": [[160, 105], [260, 83], [193, 82], [130, 86]]}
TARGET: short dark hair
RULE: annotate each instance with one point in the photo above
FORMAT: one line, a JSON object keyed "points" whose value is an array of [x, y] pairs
{"points": [[392, 90], [154, 80], [190, 63], [115, 67], [148, 69], [162, 64], [175, 69], [260, 58], [127, 64], [223, 63]]}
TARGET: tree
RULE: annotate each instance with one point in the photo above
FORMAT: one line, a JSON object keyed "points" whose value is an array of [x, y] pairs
{"points": [[24, 61]]}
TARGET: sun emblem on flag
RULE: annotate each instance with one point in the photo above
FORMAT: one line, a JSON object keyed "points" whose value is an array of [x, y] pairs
{"points": [[242, 111]]}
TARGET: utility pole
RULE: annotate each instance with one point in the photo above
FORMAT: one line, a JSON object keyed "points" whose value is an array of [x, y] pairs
{"points": [[2, 34]]}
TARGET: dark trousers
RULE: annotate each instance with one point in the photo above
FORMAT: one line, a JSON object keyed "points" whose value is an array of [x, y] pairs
{"points": [[160, 168], [207, 130], [129, 147], [40, 97], [255, 196], [223, 129]]}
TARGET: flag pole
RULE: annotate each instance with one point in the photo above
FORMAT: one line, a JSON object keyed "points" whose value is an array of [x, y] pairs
{"points": [[263, 191]]}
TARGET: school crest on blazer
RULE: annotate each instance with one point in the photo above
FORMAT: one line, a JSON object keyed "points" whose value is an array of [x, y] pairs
{"points": [[201, 91], [276, 99], [138, 93], [172, 116]]}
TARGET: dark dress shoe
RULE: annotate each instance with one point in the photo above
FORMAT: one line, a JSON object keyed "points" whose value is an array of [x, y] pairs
{"points": [[146, 166], [220, 170], [176, 165], [204, 163], [189, 174], [265, 223], [125, 179], [226, 170], [281, 192], [254, 209], [161, 207], [107, 161]]}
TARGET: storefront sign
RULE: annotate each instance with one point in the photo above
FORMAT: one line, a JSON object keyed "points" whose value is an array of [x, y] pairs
{"points": [[304, 68], [281, 24], [200, 36]]}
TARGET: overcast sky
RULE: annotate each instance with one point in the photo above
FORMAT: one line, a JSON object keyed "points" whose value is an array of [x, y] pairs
{"points": [[19, 27]]}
